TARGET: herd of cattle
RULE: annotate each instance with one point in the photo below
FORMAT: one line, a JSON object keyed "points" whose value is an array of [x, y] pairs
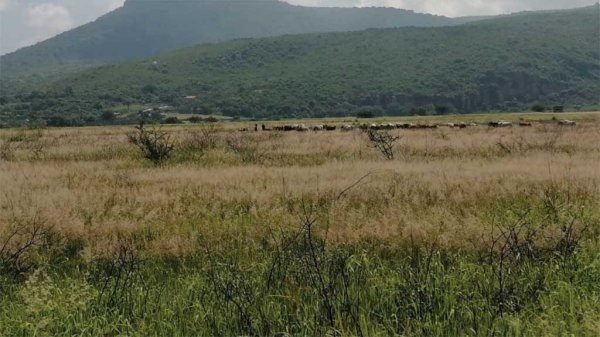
{"points": [[390, 126]]}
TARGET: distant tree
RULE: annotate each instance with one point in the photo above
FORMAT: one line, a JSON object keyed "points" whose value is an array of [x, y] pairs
{"points": [[107, 116], [58, 121], [538, 108], [418, 111], [149, 89], [195, 119], [365, 114], [442, 109], [396, 109], [171, 120], [369, 111], [69, 91]]}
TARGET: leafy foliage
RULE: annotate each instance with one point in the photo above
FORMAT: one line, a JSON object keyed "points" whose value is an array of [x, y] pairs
{"points": [[143, 28], [503, 64]]}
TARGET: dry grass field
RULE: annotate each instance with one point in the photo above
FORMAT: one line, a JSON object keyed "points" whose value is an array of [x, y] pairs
{"points": [[475, 231]]}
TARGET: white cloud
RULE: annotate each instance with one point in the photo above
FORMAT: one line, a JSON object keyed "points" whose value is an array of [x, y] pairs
{"points": [[453, 7], [114, 4], [50, 17], [4, 4]]}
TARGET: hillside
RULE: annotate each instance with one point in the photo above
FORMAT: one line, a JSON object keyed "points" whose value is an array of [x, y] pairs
{"points": [[144, 28], [501, 64]]}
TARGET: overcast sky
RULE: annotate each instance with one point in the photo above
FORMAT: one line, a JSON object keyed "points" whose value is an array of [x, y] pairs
{"points": [[25, 22]]}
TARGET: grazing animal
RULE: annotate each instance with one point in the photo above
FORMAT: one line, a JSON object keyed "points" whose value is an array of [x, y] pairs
{"points": [[566, 122], [500, 124], [525, 124], [302, 128]]}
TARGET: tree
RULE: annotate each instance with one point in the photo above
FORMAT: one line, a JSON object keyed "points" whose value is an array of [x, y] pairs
{"points": [[418, 111], [442, 109], [149, 89], [172, 120], [107, 116], [538, 108]]}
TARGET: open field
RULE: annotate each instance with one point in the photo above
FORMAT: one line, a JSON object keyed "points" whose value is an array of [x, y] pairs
{"points": [[470, 232]]}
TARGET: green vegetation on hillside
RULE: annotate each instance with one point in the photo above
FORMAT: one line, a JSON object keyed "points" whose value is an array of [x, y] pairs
{"points": [[144, 28], [505, 64]]}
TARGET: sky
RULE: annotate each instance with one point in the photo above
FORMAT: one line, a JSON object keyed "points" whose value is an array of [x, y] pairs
{"points": [[26, 22]]}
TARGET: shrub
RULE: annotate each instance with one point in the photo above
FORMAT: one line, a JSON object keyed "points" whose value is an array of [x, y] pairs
{"points": [[107, 116], [365, 114], [204, 139], [154, 144], [442, 109], [383, 142], [172, 120], [418, 111], [538, 108]]}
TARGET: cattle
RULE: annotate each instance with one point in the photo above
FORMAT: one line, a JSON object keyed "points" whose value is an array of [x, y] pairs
{"points": [[330, 127], [525, 124], [318, 128], [566, 122], [347, 128], [500, 124], [302, 128]]}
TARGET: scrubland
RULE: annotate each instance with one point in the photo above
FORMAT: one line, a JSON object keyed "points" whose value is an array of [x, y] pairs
{"points": [[466, 232]]}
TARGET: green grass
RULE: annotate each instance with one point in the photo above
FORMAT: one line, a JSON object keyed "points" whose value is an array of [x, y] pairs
{"points": [[294, 284]]}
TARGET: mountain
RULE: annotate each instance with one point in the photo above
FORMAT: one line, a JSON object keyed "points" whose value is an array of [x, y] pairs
{"points": [[143, 28], [505, 63]]}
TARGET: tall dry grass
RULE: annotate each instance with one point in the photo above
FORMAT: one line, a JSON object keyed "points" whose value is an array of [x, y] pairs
{"points": [[474, 232], [91, 184]]}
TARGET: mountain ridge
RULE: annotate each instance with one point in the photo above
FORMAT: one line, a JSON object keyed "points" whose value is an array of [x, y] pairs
{"points": [[502, 64], [143, 28]]}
